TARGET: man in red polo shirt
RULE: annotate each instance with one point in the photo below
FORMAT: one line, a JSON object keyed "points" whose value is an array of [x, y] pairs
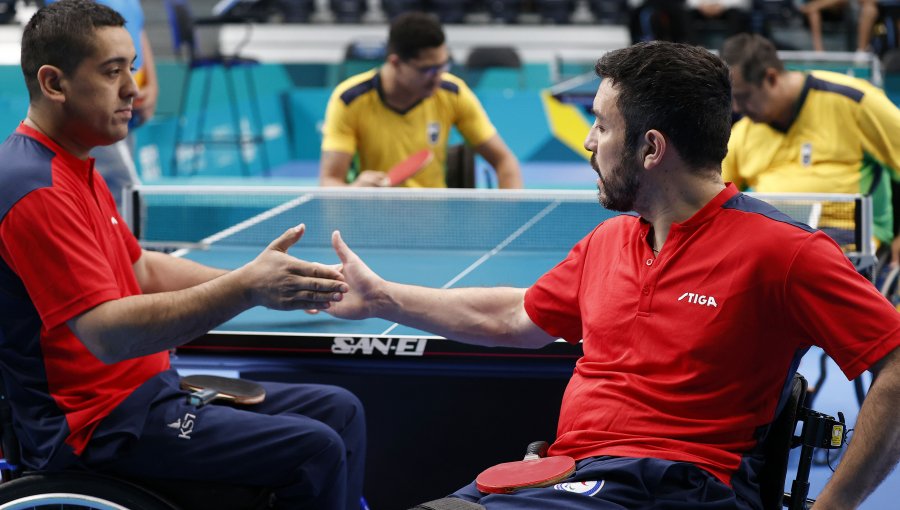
{"points": [[87, 317], [693, 315]]}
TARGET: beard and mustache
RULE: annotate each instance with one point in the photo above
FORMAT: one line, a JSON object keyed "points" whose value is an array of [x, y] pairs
{"points": [[620, 188]]}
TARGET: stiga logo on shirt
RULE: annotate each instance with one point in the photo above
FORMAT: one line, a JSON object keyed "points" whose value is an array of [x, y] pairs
{"points": [[588, 488], [699, 299]]}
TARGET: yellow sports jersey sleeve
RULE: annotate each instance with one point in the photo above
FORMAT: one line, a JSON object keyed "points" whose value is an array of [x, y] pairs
{"points": [[879, 122], [339, 129], [472, 121]]}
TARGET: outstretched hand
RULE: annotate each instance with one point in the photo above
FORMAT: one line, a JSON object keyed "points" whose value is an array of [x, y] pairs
{"points": [[365, 285], [279, 281]]}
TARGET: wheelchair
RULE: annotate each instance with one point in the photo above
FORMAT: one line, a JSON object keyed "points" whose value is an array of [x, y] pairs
{"points": [[818, 431], [81, 490]]}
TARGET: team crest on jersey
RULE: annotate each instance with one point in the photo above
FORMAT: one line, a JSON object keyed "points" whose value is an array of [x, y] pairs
{"points": [[434, 132], [806, 154], [588, 488]]}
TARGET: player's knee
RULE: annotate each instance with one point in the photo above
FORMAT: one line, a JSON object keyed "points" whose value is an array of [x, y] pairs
{"points": [[347, 407], [318, 478], [324, 455]]}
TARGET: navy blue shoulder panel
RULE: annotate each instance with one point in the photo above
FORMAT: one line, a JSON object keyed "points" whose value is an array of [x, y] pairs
{"points": [[819, 84], [746, 203], [25, 165], [450, 86], [358, 90]]}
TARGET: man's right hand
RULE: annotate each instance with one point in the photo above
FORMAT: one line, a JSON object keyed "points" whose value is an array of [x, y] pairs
{"points": [[366, 285], [279, 281], [372, 178]]}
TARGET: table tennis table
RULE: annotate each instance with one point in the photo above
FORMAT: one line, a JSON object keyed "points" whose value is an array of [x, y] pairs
{"points": [[438, 238], [439, 411]]}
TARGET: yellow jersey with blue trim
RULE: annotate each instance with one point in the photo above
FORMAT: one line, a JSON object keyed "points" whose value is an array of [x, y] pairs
{"points": [[842, 139], [358, 121]]}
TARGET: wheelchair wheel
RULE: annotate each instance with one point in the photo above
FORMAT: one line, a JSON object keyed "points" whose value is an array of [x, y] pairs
{"points": [[76, 491]]}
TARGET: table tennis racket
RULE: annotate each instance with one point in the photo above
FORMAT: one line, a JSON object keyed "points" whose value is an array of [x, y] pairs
{"points": [[206, 388], [529, 473], [409, 166]]}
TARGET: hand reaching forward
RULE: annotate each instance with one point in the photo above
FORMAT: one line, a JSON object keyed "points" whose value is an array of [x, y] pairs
{"points": [[279, 281], [365, 285]]}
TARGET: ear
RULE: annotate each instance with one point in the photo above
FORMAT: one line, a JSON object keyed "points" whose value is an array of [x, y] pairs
{"points": [[50, 78], [771, 77], [393, 60], [653, 149]]}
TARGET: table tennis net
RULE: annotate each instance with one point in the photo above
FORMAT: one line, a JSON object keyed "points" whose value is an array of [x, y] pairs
{"points": [[180, 216]]}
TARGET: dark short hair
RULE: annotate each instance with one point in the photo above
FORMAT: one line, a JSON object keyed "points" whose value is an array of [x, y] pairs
{"points": [[62, 35], [752, 55], [681, 90], [413, 32]]}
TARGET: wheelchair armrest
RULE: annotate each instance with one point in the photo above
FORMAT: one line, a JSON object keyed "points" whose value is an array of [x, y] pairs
{"points": [[819, 431]]}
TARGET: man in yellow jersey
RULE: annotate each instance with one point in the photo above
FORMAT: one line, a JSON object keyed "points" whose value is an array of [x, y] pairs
{"points": [[408, 104], [810, 132]]}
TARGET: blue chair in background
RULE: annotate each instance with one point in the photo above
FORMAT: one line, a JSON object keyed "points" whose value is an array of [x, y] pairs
{"points": [[296, 11], [451, 12], [393, 8], [348, 11], [558, 12], [504, 11], [609, 12], [362, 55], [484, 59]]}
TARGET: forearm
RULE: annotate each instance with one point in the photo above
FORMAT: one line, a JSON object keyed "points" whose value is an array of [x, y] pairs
{"points": [[146, 100], [815, 29], [509, 176], [149, 62], [481, 316], [163, 273], [334, 168], [502, 159], [874, 447], [327, 180], [148, 323], [145, 324]]}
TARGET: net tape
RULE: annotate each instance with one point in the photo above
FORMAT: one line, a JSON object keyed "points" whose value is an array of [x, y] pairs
{"points": [[424, 219]]}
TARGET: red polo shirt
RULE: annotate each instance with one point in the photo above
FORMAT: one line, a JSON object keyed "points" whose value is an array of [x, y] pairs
{"points": [[687, 354], [63, 250]]}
